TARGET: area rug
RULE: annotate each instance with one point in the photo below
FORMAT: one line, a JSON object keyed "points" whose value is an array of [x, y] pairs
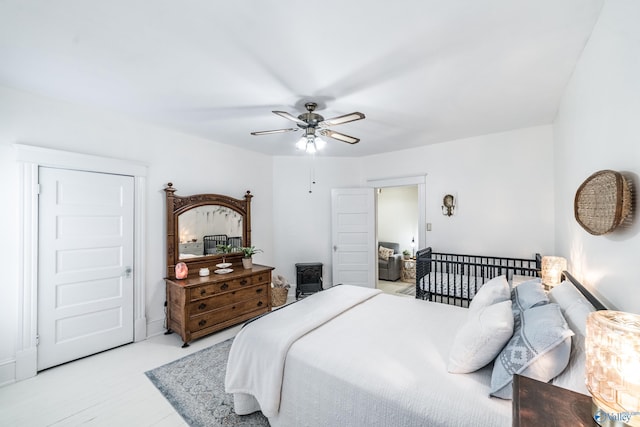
{"points": [[408, 290], [194, 385]]}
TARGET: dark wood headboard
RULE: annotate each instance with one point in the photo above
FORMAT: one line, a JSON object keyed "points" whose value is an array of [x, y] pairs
{"points": [[588, 295]]}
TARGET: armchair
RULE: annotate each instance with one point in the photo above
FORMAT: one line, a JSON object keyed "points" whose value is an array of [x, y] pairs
{"points": [[390, 269]]}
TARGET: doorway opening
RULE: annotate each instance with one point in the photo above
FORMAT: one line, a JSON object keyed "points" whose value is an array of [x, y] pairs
{"points": [[397, 228], [400, 226]]}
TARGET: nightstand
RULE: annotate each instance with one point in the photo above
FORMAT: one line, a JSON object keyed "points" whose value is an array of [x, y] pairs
{"points": [[541, 404]]}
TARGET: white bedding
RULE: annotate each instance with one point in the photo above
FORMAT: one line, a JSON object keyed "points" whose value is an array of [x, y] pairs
{"points": [[453, 285], [257, 356], [382, 362]]}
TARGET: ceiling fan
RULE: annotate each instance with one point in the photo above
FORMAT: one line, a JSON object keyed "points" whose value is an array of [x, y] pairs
{"points": [[314, 125]]}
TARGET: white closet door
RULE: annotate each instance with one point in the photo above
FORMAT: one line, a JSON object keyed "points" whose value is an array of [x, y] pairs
{"points": [[85, 265], [353, 235]]}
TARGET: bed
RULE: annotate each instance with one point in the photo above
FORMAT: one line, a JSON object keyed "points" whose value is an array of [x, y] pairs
{"points": [[355, 356], [455, 278]]}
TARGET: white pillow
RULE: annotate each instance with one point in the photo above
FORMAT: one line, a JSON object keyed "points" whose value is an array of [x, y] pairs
{"points": [[481, 338], [494, 291], [539, 349], [575, 308]]}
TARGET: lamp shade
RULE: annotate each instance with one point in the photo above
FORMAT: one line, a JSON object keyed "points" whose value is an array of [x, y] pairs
{"points": [[612, 369], [552, 268]]}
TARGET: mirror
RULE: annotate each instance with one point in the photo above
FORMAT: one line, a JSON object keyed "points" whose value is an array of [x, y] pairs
{"points": [[205, 229], [201, 230]]}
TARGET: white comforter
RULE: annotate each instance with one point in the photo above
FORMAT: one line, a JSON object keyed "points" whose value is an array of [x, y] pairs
{"points": [[258, 353], [380, 363]]}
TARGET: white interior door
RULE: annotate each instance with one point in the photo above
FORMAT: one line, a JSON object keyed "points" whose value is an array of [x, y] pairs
{"points": [[353, 236], [85, 264]]}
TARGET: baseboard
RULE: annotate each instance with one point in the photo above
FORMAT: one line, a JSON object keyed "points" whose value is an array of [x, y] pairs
{"points": [[26, 363], [140, 330], [155, 327], [7, 372]]}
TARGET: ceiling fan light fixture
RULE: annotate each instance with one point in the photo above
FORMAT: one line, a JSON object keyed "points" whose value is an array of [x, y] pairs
{"points": [[311, 147], [319, 143], [302, 143]]}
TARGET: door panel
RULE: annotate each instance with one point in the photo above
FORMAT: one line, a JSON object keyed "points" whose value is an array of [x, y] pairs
{"points": [[85, 284], [353, 235]]}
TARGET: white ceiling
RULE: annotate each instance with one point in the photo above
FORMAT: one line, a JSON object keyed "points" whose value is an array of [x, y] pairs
{"points": [[422, 71]]}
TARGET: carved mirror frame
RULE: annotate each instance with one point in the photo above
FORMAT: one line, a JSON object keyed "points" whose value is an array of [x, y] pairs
{"points": [[177, 205]]}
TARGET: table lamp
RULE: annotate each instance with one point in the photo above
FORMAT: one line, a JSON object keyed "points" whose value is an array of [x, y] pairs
{"points": [[612, 370], [552, 268]]}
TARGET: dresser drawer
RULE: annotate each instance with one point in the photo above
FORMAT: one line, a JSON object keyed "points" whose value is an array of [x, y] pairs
{"points": [[226, 298], [206, 291], [264, 277], [211, 318]]}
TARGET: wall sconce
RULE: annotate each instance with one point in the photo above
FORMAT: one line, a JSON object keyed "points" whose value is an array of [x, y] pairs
{"points": [[552, 268], [448, 205], [612, 369]]}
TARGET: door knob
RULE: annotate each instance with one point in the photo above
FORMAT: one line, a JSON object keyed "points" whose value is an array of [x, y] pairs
{"points": [[127, 272]]}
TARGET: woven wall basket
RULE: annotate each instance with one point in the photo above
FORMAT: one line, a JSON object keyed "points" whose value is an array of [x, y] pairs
{"points": [[602, 202]]}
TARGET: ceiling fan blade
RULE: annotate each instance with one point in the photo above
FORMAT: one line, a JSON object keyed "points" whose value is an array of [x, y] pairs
{"points": [[289, 117], [352, 117], [339, 136], [269, 132]]}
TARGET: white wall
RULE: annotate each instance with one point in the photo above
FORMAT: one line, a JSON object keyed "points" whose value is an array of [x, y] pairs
{"points": [[302, 220], [184, 160], [598, 127], [398, 215], [503, 184]]}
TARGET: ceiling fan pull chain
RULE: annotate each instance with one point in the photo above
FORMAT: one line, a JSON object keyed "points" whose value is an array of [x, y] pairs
{"points": [[312, 172]]}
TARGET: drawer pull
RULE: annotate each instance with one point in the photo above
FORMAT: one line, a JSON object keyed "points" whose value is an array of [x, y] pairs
{"points": [[224, 286], [202, 306], [202, 322], [259, 290], [259, 303], [243, 282], [203, 292]]}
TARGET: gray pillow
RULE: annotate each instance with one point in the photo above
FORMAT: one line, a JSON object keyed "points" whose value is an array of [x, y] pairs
{"points": [[527, 295], [539, 349]]}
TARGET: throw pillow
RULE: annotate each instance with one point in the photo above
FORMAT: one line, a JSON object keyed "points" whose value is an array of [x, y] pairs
{"points": [[539, 349], [527, 295], [384, 253], [575, 308], [481, 338], [494, 291]]}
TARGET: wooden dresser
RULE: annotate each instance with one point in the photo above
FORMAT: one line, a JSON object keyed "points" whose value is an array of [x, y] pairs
{"points": [[198, 306]]}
